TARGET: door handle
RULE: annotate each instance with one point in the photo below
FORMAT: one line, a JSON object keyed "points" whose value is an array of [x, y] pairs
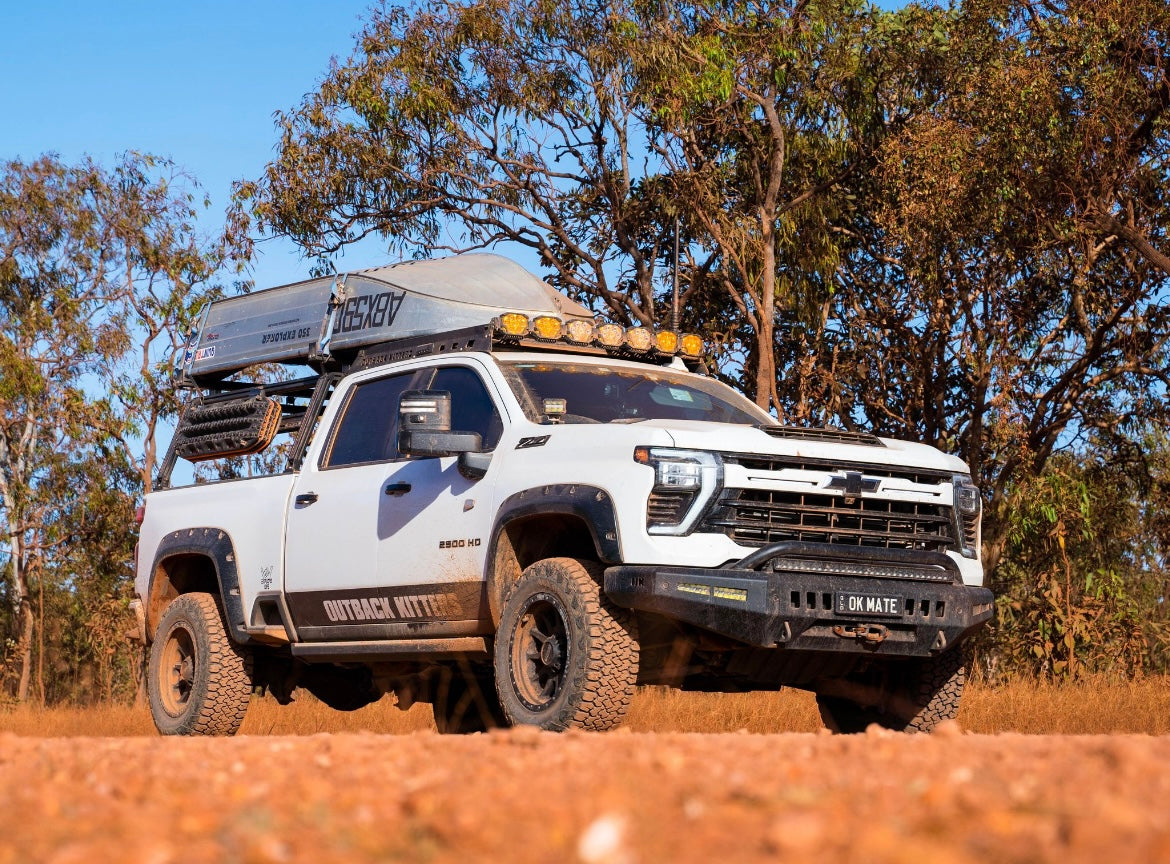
{"points": [[397, 488], [306, 499]]}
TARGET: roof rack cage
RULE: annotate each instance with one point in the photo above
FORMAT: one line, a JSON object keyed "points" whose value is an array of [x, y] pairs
{"points": [[326, 323]]}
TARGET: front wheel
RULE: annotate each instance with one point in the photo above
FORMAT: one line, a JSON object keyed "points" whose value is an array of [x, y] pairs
{"points": [[565, 657], [914, 696], [198, 681]]}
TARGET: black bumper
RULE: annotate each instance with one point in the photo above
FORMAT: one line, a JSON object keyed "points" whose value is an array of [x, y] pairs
{"points": [[816, 597]]}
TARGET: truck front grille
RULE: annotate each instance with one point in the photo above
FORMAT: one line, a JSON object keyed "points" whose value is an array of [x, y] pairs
{"points": [[754, 517]]}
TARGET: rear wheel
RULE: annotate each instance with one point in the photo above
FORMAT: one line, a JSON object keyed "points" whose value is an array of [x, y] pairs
{"points": [[565, 657], [464, 700], [912, 697], [198, 681]]}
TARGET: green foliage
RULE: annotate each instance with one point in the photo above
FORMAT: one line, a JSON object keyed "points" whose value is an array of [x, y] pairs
{"points": [[990, 309], [457, 125], [1082, 585], [99, 268], [763, 116]]}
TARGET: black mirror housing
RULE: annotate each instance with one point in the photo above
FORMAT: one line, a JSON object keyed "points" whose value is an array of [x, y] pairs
{"points": [[424, 426]]}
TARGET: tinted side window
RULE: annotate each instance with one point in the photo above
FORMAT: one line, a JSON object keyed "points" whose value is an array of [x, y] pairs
{"points": [[368, 431], [472, 409]]}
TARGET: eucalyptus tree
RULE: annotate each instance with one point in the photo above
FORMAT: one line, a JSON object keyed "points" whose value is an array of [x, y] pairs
{"points": [[96, 265], [454, 126], [765, 114], [1009, 298], [593, 133]]}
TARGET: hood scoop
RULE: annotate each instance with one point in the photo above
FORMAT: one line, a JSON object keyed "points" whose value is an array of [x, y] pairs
{"points": [[824, 433]]}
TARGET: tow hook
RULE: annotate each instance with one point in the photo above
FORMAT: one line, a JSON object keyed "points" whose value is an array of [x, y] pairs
{"points": [[874, 633]]}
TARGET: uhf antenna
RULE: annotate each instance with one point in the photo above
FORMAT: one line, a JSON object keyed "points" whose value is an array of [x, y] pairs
{"points": [[675, 324]]}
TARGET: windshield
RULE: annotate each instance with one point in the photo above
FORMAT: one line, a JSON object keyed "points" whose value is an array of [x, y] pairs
{"points": [[595, 393]]}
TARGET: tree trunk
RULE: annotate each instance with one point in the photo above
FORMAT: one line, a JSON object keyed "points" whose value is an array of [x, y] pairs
{"points": [[40, 638], [765, 363], [24, 616], [994, 540], [766, 313], [26, 643]]}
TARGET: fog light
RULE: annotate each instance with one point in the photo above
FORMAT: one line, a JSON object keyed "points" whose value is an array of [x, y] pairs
{"points": [[666, 341], [580, 332]]}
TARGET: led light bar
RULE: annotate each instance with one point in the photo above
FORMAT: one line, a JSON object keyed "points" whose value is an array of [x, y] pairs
{"points": [[851, 568], [549, 328]]}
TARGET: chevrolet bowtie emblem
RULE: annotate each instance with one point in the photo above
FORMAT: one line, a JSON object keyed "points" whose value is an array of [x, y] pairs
{"points": [[853, 483]]}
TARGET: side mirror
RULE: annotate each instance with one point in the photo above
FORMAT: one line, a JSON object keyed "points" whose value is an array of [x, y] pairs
{"points": [[424, 426]]}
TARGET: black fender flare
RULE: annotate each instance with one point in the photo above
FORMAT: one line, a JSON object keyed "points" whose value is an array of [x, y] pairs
{"points": [[591, 504], [216, 545]]}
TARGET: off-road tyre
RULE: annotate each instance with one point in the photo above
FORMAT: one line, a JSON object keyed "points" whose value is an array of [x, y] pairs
{"points": [[340, 688], [198, 682], [916, 697], [464, 700], [565, 657]]}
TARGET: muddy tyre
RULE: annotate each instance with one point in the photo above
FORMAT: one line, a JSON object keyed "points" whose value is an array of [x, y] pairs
{"points": [[464, 700], [565, 657], [913, 697], [198, 680]]}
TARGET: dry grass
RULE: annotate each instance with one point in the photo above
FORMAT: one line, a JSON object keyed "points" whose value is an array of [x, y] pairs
{"points": [[1100, 706]]}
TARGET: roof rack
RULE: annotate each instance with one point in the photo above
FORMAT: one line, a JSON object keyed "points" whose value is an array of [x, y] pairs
{"points": [[324, 323]]}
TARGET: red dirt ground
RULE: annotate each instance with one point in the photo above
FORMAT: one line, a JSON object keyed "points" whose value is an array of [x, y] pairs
{"points": [[625, 798]]}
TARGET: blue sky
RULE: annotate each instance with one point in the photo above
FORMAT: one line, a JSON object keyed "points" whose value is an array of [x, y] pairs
{"points": [[197, 82]]}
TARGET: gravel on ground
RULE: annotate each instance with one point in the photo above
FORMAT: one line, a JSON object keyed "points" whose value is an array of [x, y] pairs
{"points": [[624, 798]]}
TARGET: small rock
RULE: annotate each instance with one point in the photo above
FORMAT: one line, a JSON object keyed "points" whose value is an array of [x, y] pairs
{"points": [[604, 841]]}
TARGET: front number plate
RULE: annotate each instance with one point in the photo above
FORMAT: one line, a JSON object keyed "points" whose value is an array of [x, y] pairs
{"points": [[868, 604]]}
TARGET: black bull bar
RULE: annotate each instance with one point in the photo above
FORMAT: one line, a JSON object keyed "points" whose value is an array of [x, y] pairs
{"points": [[816, 597]]}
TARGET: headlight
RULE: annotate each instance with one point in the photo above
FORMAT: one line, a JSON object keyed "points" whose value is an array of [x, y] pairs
{"points": [[685, 481], [968, 516]]}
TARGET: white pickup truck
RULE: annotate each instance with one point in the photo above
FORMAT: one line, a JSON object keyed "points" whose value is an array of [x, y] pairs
{"points": [[491, 502]]}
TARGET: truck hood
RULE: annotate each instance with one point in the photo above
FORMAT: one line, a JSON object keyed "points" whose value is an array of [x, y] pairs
{"points": [[729, 438]]}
